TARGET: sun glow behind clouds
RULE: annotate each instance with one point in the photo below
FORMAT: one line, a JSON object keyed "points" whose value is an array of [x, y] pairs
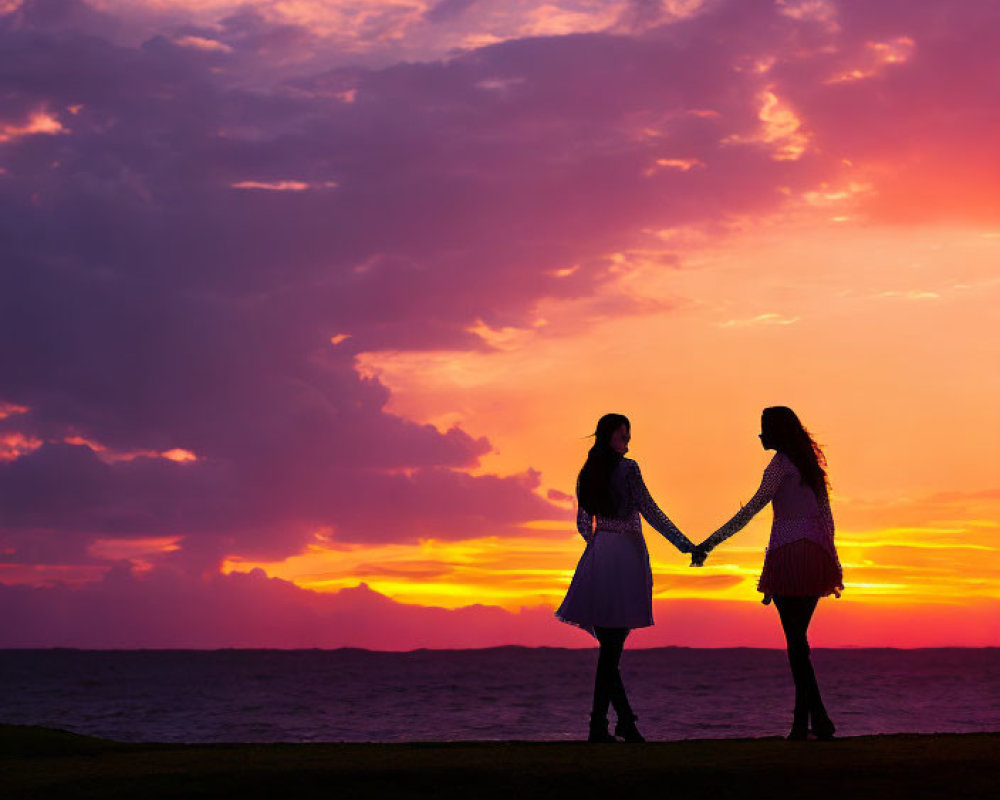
{"points": [[179, 455], [140, 553], [878, 55], [10, 409], [176, 454], [769, 318], [273, 186], [506, 572], [889, 565], [386, 29], [200, 43], [925, 563], [780, 127], [819, 11], [38, 122], [14, 445]]}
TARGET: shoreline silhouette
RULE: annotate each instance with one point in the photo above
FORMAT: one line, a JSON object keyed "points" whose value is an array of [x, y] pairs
{"points": [[43, 763]]}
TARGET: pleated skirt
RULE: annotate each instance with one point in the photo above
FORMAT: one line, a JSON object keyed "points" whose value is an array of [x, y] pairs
{"points": [[801, 568]]}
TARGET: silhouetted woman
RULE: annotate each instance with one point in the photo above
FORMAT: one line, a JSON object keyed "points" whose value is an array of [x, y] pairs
{"points": [[612, 588], [801, 564]]}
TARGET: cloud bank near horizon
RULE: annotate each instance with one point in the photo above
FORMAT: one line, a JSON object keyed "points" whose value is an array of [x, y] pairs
{"points": [[173, 610]]}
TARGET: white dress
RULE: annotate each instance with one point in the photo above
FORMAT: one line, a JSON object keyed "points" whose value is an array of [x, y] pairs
{"points": [[613, 583]]}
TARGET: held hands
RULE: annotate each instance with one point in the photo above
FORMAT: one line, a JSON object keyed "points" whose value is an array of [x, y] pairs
{"points": [[698, 555]]}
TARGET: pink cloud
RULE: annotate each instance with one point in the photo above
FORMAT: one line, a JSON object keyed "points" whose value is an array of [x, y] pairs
{"points": [[911, 115]]}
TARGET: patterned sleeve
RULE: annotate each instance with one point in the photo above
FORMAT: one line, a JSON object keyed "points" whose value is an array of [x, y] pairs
{"points": [[584, 523], [652, 513], [773, 474], [827, 514]]}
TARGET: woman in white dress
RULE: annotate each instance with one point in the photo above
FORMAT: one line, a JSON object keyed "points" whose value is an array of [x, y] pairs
{"points": [[612, 589]]}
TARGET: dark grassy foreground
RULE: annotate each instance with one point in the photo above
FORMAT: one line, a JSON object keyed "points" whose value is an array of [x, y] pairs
{"points": [[40, 763]]}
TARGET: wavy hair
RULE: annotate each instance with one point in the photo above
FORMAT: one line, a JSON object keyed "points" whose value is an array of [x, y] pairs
{"points": [[593, 484], [783, 431]]}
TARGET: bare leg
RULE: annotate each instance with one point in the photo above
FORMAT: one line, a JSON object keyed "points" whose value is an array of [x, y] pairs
{"points": [[795, 614], [608, 686]]}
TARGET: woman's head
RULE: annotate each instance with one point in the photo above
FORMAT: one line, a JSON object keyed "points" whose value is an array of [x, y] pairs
{"points": [[593, 484], [778, 426], [613, 431], [781, 430]]}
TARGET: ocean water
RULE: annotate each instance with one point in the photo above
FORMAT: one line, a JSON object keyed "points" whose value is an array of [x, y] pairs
{"points": [[507, 693]]}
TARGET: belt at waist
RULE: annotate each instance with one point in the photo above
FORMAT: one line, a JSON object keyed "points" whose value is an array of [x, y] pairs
{"points": [[614, 525]]}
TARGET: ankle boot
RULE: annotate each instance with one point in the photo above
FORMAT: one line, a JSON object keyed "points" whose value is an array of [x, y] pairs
{"points": [[625, 727], [599, 730]]}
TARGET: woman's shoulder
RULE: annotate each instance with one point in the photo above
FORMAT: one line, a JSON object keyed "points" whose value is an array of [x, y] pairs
{"points": [[626, 468], [781, 463]]}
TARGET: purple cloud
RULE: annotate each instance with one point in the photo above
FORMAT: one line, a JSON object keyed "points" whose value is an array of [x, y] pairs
{"points": [[446, 10]]}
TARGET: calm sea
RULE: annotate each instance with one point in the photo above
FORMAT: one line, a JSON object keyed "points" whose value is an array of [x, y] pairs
{"points": [[494, 694]]}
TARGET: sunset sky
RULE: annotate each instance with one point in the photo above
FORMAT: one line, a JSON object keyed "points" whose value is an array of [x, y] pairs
{"points": [[308, 307]]}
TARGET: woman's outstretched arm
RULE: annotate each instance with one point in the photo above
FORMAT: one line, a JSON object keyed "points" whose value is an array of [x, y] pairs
{"points": [[652, 513], [769, 483]]}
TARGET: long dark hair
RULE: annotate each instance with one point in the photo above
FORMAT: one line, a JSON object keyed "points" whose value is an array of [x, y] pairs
{"points": [[782, 430], [593, 484]]}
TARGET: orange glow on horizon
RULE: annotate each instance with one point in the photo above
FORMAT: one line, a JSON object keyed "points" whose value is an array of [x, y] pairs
{"points": [[917, 525], [881, 566]]}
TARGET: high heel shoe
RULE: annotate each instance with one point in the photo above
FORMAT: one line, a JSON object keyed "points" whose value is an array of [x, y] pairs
{"points": [[599, 732], [800, 726], [823, 729], [628, 731], [798, 733]]}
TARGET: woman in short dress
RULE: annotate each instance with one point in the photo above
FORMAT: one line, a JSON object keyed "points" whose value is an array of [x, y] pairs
{"points": [[612, 589], [801, 564]]}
